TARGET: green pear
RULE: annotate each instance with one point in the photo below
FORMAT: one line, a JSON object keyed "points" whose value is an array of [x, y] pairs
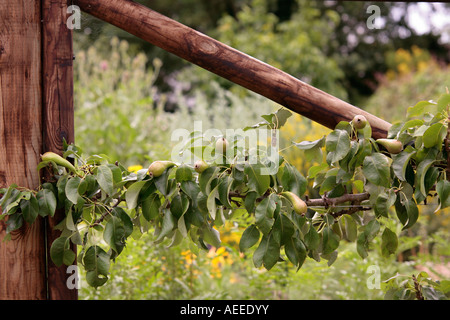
{"points": [[392, 145], [298, 204], [157, 168], [200, 166], [50, 156], [359, 122], [221, 145]]}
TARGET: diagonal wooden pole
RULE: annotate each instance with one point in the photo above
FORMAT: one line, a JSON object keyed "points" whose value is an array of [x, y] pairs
{"points": [[228, 63]]}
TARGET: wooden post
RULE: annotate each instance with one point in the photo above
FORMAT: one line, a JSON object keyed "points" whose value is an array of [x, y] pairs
{"points": [[228, 63], [58, 117], [22, 259], [36, 113]]}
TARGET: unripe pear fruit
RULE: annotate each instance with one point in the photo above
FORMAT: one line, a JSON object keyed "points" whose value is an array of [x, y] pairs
{"points": [[157, 168], [221, 145], [50, 156], [392, 146], [200, 166], [298, 204], [359, 122]]}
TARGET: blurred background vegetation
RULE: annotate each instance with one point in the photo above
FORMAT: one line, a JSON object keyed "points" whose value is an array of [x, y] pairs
{"points": [[130, 96]]}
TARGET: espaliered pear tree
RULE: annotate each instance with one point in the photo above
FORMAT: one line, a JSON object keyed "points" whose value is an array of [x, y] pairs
{"points": [[363, 185]]}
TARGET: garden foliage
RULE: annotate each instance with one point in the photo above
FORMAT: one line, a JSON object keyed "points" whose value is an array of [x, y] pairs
{"points": [[105, 204]]}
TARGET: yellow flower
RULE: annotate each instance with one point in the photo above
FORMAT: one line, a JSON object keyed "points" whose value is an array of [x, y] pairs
{"points": [[135, 168]]}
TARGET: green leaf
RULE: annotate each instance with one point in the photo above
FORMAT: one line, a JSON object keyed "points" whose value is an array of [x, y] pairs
{"points": [[314, 170], [168, 224], [337, 145], [280, 117], [132, 194], [10, 196], [443, 191], [96, 263], [312, 238], [249, 238], [420, 109], [267, 253], [211, 235], [264, 214], [295, 251], [330, 240], [306, 145], [47, 202], [71, 189], [351, 229], [30, 209], [443, 102], [389, 242], [224, 189], [61, 253], [206, 177], [292, 180], [371, 229], [434, 135], [183, 173], [383, 202], [191, 189], [114, 234], [15, 221], [125, 218], [364, 238], [150, 207], [104, 178], [211, 202], [412, 212], [179, 205], [400, 162], [376, 168], [256, 181], [250, 200], [421, 171], [362, 245]]}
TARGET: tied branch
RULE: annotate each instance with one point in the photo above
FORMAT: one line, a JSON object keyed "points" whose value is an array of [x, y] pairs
{"points": [[355, 200]]}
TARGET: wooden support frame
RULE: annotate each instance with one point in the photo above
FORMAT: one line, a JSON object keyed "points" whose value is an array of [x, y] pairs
{"points": [[22, 259], [36, 110], [36, 114], [58, 119], [229, 63]]}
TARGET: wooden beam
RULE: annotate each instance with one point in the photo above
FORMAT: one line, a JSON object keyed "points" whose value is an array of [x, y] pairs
{"points": [[22, 259], [58, 118], [228, 63]]}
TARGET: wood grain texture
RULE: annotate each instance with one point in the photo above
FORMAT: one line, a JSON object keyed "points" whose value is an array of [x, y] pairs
{"points": [[228, 63], [58, 117], [22, 260]]}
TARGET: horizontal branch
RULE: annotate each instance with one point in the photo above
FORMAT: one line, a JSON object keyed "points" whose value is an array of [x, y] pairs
{"points": [[356, 198]]}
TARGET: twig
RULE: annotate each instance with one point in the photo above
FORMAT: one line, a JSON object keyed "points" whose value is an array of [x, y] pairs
{"points": [[355, 198], [106, 213], [417, 288]]}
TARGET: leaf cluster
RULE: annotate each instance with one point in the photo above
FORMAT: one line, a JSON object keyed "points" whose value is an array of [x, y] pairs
{"points": [[358, 182]]}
